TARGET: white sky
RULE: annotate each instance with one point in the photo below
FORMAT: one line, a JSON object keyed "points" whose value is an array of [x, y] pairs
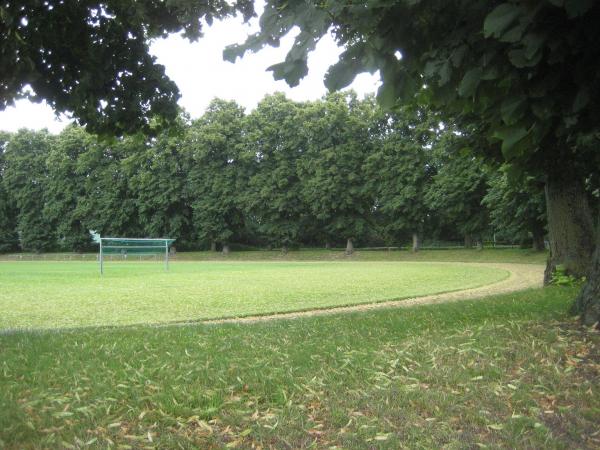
{"points": [[201, 74]]}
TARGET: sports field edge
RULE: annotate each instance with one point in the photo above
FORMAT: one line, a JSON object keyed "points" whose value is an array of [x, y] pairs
{"points": [[478, 292], [471, 293]]}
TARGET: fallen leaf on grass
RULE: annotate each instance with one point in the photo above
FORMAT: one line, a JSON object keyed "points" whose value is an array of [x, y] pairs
{"points": [[382, 437]]}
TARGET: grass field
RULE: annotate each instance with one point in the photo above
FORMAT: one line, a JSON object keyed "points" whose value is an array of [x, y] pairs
{"points": [[73, 294], [508, 255], [510, 372]]}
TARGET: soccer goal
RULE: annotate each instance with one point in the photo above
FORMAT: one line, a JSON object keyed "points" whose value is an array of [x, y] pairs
{"points": [[131, 247]]}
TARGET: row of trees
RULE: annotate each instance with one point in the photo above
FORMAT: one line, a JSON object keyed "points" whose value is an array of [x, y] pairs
{"points": [[329, 172]]}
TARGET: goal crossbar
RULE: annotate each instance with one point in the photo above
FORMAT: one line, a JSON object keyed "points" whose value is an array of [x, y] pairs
{"points": [[135, 246]]}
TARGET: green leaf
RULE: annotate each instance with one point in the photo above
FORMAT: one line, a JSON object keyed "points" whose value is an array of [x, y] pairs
{"points": [[290, 71], [500, 19], [445, 73], [542, 108], [386, 95], [512, 109], [432, 67], [407, 86], [510, 137], [581, 99], [340, 75], [470, 81], [533, 43], [231, 53], [458, 54], [514, 34], [490, 73], [519, 59]]}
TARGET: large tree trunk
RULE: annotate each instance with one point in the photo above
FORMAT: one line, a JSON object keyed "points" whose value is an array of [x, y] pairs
{"points": [[415, 242], [570, 228], [226, 248], [213, 246], [349, 247], [587, 303], [468, 241]]}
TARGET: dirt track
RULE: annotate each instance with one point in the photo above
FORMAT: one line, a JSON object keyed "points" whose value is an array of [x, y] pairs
{"points": [[522, 276]]}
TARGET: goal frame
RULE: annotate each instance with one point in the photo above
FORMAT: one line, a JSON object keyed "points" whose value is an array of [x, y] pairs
{"points": [[153, 246]]}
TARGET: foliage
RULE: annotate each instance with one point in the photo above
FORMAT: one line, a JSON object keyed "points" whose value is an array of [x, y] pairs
{"points": [[526, 71], [219, 172], [25, 180], [109, 205], [457, 189], [65, 188], [157, 172], [98, 68], [560, 277], [274, 197], [331, 166], [400, 168], [517, 207], [287, 174], [9, 239]]}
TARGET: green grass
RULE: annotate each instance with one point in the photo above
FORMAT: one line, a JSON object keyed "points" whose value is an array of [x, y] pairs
{"points": [[509, 255], [73, 294], [512, 371]]}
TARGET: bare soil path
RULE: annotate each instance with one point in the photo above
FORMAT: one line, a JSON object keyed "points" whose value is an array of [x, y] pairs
{"points": [[522, 276]]}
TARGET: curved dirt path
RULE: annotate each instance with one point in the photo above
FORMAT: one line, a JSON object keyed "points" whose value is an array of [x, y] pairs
{"points": [[522, 276]]}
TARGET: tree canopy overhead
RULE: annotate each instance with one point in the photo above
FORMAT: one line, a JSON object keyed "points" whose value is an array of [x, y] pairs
{"points": [[91, 58], [529, 70]]}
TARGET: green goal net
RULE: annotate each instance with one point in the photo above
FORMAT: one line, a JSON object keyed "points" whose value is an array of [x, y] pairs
{"points": [[128, 247]]}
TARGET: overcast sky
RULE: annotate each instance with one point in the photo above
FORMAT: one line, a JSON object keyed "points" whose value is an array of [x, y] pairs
{"points": [[201, 74]]}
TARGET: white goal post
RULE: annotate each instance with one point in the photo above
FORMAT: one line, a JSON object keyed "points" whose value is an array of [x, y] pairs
{"points": [[133, 246]]}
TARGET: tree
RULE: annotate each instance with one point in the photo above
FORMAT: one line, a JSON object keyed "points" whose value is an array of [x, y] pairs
{"points": [[25, 180], [9, 238], [65, 188], [91, 58], [219, 172], [331, 169], [517, 208], [109, 204], [527, 70], [457, 190], [157, 176], [399, 170], [274, 198]]}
